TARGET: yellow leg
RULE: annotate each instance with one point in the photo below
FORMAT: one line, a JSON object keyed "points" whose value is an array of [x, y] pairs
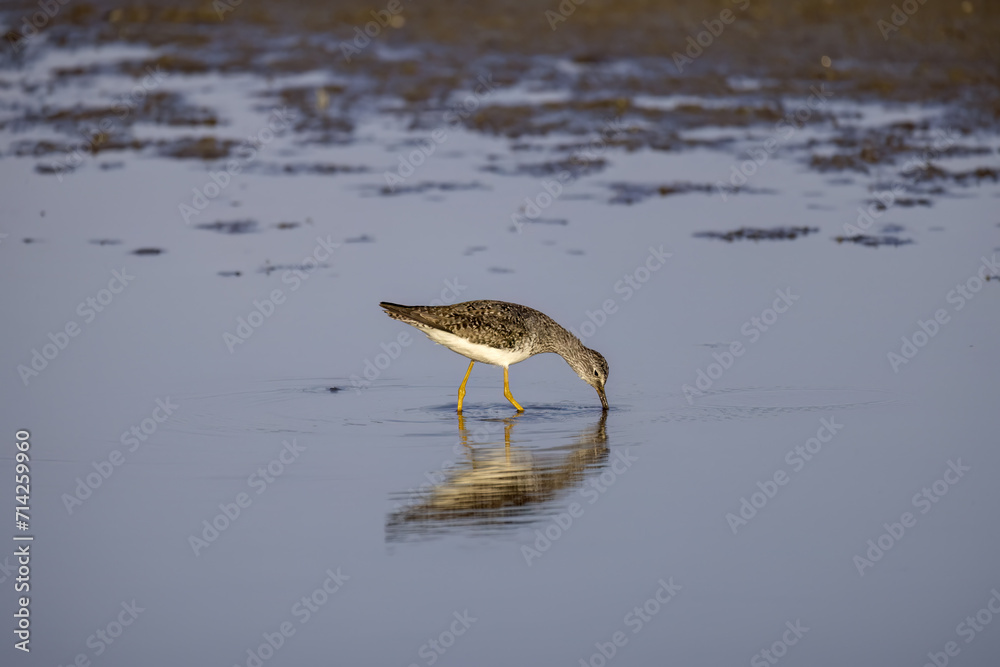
{"points": [[506, 392], [462, 433], [461, 389]]}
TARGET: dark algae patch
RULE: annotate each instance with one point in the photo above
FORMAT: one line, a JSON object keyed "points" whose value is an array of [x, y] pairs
{"points": [[633, 193], [756, 234], [873, 241], [204, 148], [420, 188], [230, 227]]}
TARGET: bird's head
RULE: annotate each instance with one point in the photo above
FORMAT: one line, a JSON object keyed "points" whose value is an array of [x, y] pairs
{"points": [[592, 369]]}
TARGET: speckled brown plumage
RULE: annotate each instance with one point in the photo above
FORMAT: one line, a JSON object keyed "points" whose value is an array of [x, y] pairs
{"points": [[507, 327], [499, 324]]}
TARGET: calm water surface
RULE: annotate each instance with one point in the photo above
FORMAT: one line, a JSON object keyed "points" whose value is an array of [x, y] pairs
{"points": [[292, 485]]}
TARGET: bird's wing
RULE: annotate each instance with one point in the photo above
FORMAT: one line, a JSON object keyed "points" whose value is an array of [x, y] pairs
{"points": [[493, 323]]}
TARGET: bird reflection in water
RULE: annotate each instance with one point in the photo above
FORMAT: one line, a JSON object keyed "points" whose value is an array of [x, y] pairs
{"points": [[498, 486]]}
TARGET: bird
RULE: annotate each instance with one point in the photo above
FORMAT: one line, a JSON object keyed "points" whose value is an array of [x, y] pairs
{"points": [[502, 333]]}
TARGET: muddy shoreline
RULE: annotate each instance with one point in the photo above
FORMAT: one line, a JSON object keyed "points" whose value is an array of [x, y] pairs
{"points": [[743, 65]]}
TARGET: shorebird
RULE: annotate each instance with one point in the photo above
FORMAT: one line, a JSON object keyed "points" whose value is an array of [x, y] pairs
{"points": [[501, 334]]}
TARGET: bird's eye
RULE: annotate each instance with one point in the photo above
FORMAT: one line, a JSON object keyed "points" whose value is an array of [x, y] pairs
{"points": [[596, 374]]}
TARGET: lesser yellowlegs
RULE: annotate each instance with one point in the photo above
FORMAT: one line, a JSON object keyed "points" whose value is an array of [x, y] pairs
{"points": [[501, 333]]}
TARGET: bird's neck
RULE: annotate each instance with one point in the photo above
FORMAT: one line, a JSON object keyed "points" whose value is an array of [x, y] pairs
{"points": [[562, 342]]}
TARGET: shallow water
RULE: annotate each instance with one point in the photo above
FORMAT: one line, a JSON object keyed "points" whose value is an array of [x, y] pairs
{"points": [[546, 537]]}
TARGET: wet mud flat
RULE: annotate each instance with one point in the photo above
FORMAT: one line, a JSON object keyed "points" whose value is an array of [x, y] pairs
{"points": [[632, 75]]}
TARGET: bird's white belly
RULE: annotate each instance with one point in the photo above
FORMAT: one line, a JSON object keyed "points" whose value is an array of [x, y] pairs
{"points": [[481, 353]]}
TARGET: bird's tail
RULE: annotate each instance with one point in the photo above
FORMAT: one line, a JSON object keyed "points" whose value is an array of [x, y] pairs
{"points": [[409, 314]]}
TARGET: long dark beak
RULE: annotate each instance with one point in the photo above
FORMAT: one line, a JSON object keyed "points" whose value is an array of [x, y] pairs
{"points": [[604, 399]]}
